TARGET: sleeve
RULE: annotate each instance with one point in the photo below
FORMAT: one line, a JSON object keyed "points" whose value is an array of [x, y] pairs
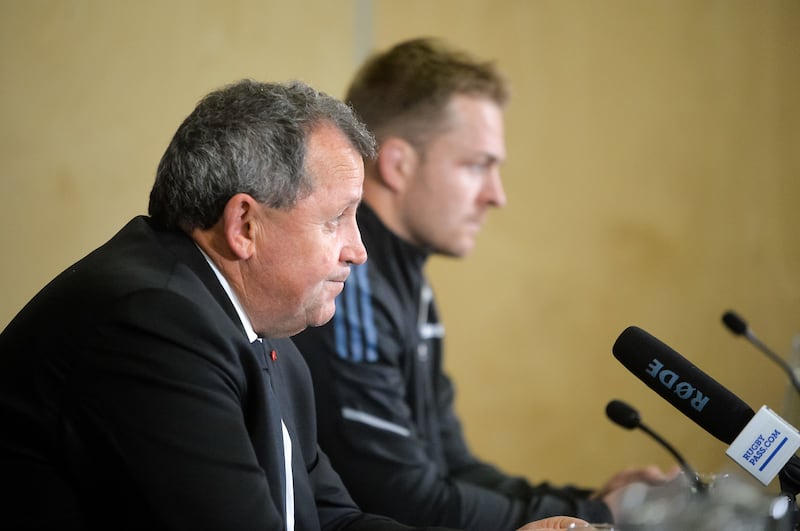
{"points": [[367, 428], [540, 501], [329, 495]]}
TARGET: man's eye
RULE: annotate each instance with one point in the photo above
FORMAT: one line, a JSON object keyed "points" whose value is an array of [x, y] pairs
{"points": [[335, 222]]}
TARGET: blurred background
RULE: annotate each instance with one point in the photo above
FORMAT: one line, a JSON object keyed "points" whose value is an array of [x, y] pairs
{"points": [[653, 177]]}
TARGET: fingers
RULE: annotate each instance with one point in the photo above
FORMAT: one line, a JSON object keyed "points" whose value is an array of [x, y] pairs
{"points": [[649, 475], [553, 523], [653, 475]]}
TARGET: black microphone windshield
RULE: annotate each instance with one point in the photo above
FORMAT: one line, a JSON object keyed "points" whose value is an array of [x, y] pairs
{"points": [[690, 390], [623, 414], [734, 323]]}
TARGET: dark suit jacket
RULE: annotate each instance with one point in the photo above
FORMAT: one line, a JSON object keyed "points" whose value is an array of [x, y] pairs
{"points": [[130, 399]]}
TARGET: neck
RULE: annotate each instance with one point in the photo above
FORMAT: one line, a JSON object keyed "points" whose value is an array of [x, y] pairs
{"points": [[386, 204]]}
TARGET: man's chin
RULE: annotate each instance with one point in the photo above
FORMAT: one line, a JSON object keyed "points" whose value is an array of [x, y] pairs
{"points": [[322, 317], [457, 251]]}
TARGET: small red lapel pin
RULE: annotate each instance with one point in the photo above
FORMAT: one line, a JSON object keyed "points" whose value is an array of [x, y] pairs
{"points": [[273, 355]]}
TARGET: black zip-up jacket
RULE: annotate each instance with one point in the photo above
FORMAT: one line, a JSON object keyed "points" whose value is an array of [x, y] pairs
{"points": [[385, 406]]}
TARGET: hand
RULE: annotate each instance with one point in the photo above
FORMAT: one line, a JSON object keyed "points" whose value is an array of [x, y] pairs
{"points": [[612, 491], [649, 475], [552, 523]]}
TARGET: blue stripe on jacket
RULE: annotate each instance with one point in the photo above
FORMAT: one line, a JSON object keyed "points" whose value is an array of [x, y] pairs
{"points": [[356, 336]]}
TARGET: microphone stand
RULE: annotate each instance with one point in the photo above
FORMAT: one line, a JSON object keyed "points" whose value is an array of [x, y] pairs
{"points": [[789, 478], [698, 485]]}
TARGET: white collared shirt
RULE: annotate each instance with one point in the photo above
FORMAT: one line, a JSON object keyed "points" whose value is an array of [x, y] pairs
{"points": [[252, 336]]}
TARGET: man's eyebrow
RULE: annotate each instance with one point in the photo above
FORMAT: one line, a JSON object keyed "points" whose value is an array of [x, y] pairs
{"points": [[492, 157]]}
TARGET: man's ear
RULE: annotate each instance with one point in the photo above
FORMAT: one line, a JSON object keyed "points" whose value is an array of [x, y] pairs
{"points": [[240, 225], [397, 161]]}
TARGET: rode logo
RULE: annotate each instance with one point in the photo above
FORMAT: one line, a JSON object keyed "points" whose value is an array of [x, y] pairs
{"points": [[672, 381]]}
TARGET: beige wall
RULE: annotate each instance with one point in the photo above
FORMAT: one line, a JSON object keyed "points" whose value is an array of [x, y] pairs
{"points": [[653, 175]]}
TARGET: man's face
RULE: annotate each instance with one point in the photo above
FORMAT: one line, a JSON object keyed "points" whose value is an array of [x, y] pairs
{"points": [[303, 255], [457, 179]]}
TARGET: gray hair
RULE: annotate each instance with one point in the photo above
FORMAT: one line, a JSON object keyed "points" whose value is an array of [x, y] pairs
{"points": [[247, 137]]}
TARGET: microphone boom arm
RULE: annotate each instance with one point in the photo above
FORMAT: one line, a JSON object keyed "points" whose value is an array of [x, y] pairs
{"points": [[774, 357], [693, 476]]}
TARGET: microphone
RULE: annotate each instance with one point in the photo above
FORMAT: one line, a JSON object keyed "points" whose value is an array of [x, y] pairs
{"points": [[694, 393], [624, 415], [761, 443], [739, 327]]}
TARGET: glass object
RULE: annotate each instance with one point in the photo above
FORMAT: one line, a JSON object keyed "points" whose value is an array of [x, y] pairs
{"points": [[729, 503]]}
